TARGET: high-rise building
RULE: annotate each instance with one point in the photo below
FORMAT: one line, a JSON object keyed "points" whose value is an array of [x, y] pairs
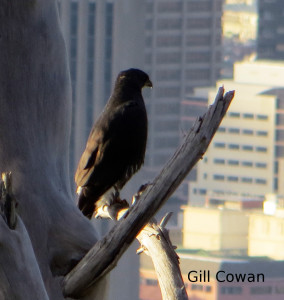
{"points": [[270, 41], [182, 51], [102, 38], [245, 158]]}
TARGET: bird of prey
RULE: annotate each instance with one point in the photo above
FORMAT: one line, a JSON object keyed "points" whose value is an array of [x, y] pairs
{"points": [[116, 146]]}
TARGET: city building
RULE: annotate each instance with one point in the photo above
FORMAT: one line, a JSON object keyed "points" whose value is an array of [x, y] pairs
{"points": [[270, 41], [182, 51], [245, 158], [266, 229], [240, 21], [102, 38], [215, 228], [210, 277]]}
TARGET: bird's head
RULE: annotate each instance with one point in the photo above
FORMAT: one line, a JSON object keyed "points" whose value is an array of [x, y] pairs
{"points": [[135, 78]]}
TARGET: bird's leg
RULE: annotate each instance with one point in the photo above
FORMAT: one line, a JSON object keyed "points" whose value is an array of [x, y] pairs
{"points": [[110, 204]]}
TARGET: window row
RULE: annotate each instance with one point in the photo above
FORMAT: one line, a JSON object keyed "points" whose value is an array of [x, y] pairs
{"points": [[235, 130], [222, 145], [219, 177], [249, 116], [255, 290], [234, 162]]}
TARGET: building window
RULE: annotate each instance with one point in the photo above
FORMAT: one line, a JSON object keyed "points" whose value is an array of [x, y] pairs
{"points": [[200, 6], [221, 129], [234, 130], [262, 117], [247, 164], [168, 41], [248, 131], [167, 24], [261, 165], [164, 75], [233, 162], [260, 181], [219, 161], [262, 133], [218, 177], [202, 191], [219, 145], [261, 149], [261, 290], [172, 57], [170, 6], [246, 179], [247, 148], [152, 282], [234, 146], [233, 178], [234, 114], [232, 290], [197, 287], [248, 116], [208, 289]]}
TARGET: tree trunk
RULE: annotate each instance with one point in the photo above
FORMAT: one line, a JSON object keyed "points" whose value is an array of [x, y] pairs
{"points": [[35, 118]]}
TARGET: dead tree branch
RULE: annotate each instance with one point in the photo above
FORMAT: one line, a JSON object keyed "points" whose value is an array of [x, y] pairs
{"points": [[105, 253], [155, 242]]}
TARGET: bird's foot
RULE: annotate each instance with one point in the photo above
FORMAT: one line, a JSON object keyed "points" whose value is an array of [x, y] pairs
{"points": [[141, 190], [114, 208]]}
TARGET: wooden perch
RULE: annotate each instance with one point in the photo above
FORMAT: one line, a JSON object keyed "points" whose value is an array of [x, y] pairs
{"points": [[105, 253], [156, 243]]}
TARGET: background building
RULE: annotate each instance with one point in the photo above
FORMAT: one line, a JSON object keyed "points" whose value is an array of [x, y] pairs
{"points": [[102, 38], [182, 51], [270, 41], [245, 158], [211, 289]]}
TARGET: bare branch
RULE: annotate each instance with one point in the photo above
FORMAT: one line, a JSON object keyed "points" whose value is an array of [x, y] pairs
{"points": [[105, 253], [155, 242]]}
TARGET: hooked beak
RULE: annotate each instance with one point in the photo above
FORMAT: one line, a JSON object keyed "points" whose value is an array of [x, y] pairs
{"points": [[148, 83]]}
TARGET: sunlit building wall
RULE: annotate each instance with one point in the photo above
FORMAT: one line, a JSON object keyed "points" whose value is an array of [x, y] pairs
{"points": [[215, 229], [245, 158]]}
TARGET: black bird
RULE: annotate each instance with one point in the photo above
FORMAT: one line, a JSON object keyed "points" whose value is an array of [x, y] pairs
{"points": [[116, 146]]}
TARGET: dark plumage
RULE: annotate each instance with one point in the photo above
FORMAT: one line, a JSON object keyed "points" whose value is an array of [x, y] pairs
{"points": [[116, 146]]}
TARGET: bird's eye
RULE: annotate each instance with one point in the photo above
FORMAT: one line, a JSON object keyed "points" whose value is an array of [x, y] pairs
{"points": [[122, 76]]}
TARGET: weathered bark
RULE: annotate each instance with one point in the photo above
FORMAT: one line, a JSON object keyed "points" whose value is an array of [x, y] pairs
{"points": [[20, 276], [155, 242], [105, 254], [35, 119]]}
